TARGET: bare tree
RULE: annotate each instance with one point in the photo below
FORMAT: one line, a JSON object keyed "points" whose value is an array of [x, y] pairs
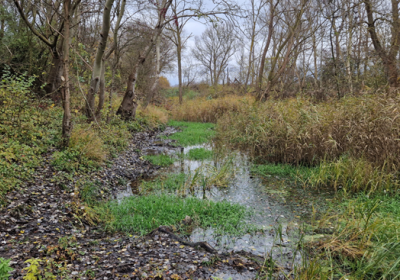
{"points": [[127, 109], [388, 54], [214, 49], [97, 81]]}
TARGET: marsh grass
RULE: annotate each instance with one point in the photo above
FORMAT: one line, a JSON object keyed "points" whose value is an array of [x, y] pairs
{"points": [[363, 130], [208, 110], [364, 242], [297, 131], [281, 170], [192, 133], [160, 160], [352, 175], [141, 214], [168, 183]]}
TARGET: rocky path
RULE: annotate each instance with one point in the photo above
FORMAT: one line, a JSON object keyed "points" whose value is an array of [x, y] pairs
{"points": [[46, 222]]}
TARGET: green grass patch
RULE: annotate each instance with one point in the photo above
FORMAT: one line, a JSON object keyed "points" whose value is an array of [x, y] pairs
{"points": [[281, 170], [192, 133], [160, 160], [141, 214], [199, 154]]}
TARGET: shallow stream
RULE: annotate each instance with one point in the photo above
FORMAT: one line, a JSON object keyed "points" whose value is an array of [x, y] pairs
{"points": [[279, 205]]}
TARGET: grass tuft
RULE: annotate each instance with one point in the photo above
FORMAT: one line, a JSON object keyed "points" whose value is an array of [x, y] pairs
{"points": [[160, 160]]}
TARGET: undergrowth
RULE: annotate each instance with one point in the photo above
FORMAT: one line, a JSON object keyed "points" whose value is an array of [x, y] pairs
{"points": [[5, 269], [31, 128]]}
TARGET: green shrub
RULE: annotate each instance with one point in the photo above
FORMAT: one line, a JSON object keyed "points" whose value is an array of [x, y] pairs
{"points": [[5, 269]]}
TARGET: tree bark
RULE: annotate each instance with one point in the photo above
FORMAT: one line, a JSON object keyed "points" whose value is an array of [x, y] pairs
{"points": [[179, 54], [66, 124], [98, 64], [265, 50], [127, 109]]}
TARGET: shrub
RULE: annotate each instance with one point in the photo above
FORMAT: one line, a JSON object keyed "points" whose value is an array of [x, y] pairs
{"points": [[153, 116], [88, 144], [5, 269]]}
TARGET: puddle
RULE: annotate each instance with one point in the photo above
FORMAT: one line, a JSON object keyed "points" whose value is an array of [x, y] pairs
{"points": [[279, 205]]}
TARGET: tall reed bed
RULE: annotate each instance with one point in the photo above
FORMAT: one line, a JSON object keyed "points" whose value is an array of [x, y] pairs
{"points": [[208, 110], [297, 131]]}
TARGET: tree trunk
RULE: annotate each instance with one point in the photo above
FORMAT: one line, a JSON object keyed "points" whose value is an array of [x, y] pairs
{"points": [[151, 93], [388, 57], [101, 91], [54, 82], [66, 124], [179, 53], [98, 64], [127, 109], [265, 50]]}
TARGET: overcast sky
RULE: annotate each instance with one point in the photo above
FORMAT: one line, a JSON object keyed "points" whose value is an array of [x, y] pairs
{"points": [[196, 29]]}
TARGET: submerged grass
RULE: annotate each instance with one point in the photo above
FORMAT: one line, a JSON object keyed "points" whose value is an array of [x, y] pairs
{"points": [[281, 170], [161, 160], [192, 133], [142, 214], [170, 182], [199, 154]]}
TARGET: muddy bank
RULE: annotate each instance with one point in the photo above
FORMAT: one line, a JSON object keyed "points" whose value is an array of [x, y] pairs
{"points": [[45, 220]]}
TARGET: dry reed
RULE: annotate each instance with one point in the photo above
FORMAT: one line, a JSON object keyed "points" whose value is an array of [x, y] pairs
{"points": [[208, 110], [297, 131]]}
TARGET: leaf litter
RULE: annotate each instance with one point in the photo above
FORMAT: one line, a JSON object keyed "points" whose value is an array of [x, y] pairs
{"points": [[45, 221]]}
